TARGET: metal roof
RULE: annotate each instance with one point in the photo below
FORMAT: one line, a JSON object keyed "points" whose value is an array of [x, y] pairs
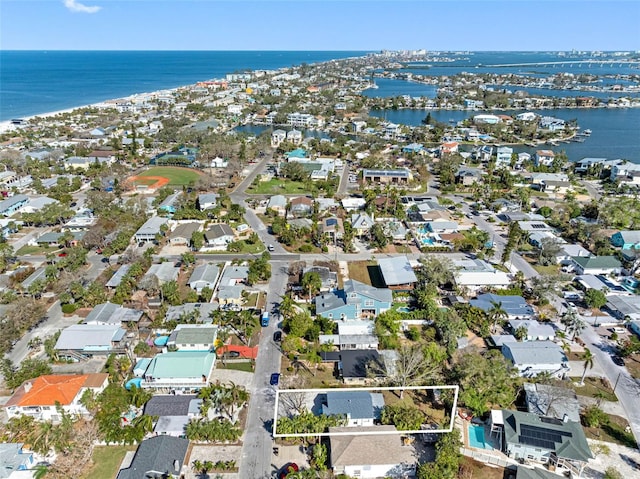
{"points": [[397, 270]]}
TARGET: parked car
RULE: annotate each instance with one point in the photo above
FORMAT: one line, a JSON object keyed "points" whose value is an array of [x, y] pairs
{"points": [[277, 336], [617, 360], [289, 468], [275, 379]]}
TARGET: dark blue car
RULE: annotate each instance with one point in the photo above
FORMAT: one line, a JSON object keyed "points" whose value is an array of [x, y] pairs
{"points": [[275, 379]]}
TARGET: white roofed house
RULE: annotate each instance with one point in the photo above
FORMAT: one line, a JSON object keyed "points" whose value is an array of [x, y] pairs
{"points": [[544, 157], [207, 201], [503, 156], [277, 137], [150, 229], [476, 275], [113, 314], [82, 341], [164, 272], [397, 273], [536, 357], [204, 276]]}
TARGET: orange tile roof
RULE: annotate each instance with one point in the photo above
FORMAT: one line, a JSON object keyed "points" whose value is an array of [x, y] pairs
{"points": [[52, 388]]}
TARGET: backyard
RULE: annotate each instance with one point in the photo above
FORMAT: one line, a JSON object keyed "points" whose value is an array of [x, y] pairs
{"points": [[106, 461]]}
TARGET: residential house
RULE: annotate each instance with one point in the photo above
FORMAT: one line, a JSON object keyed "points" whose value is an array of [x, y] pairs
{"points": [[82, 341], [624, 173], [150, 229], [568, 251], [530, 437], [626, 239], [467, 176], [624, 308], [332, 227], [474, 275], [383, 455], [356, 301], [552, 401], [448, 148], [163, 272], [278, 203], [352, 335], [169, 204], [361, 408], [53, 239], [442, 226], [13, 204], [294, 136], [277, 137], [173, 412], [596, 265], [37, 203], [535, 331], [182, 370], [503, 156], [301, 206], [353, 204], [183, 232], [118, 276], [218, 236], [113, 314], [204, 276], [361, 223], [159, 457], [193, 337], [397, 273], [514, 306], [536, 357], [356, 366], [207, 201], [328, 278], [15, 463], [399, 176], [41, 397], [544, 157]]}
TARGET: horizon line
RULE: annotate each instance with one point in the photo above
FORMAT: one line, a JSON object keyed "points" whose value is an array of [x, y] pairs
{"points": [[454, 50]]}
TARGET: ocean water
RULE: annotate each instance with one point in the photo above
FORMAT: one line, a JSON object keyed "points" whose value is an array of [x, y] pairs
{"points": [[34, 82]]}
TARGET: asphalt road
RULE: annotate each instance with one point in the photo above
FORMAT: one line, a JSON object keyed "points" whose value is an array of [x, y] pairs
{"points": [[627, 388], [257, 441]]}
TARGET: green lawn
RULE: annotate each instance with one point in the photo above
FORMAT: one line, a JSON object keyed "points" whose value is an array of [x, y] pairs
{"points": [[106, 461], [278, 186], [239, 366], [39, 250], [177, 176], [593, 388]]}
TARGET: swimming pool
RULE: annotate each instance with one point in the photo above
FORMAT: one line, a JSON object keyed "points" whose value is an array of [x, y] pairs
{"points": [[427, 241], [405, 309], [477, 437]]}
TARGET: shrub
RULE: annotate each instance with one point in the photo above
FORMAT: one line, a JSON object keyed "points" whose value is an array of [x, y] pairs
{"points": [[69, 308]]}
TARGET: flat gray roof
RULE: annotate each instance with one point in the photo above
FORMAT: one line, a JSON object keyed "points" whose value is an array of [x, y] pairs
{"points": [[397, 270]]}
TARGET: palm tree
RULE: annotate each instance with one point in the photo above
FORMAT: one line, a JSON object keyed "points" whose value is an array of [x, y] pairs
{"points": [[573, 323], [588, 358], [496, 313]]}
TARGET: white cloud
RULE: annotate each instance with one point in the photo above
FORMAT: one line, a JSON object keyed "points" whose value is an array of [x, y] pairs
{"points": [[78, 7]]}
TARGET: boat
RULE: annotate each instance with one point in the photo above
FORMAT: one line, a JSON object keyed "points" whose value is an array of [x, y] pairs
{"points": [[373, 86], [586, 132]]}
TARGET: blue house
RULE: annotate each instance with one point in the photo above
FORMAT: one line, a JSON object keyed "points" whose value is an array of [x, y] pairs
{"points": [[170, 202], [356, 301], [515, 306], [413, 148], [626, 239], [12, 204]]}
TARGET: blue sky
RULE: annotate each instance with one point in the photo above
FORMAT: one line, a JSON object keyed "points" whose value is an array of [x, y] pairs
{"points": [[319, 25]]}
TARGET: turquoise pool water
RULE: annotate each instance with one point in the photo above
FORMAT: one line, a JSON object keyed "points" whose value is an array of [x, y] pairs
{"points": [[405, 309], [427, 241], [476, 437]]}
